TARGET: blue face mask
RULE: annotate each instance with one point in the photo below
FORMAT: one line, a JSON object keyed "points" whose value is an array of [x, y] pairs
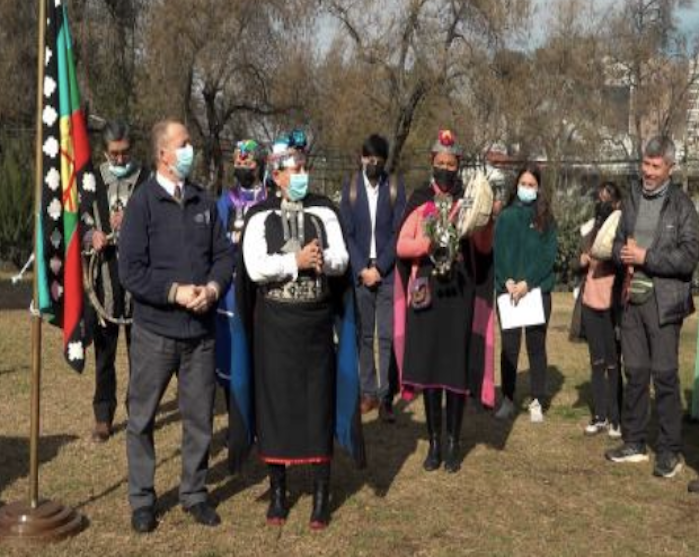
{"points": [[526, 195], [185, 162], [298, 187], [121, 171]]}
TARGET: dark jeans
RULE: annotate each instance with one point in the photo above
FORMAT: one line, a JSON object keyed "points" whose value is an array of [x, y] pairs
{"points": [[154, 360], [106, 340], [606, 378], [375, 307], [651, 351], [536, 349]]}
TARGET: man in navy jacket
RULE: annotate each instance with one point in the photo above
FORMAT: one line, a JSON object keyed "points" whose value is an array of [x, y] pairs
{"points": [[371, 209], [175, 259]]}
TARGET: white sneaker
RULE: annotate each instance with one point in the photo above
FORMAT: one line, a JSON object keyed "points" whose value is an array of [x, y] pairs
{"points": [[614, 431], [536, 414], [596, 426], [506, 410]]}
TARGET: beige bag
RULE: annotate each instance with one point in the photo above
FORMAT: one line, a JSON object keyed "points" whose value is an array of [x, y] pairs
{"points": [[476, 205], [602, 247]]}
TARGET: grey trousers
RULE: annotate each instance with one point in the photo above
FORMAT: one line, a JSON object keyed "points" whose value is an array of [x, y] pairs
{"points": [[651, 352], [375, 307], [154, 359]]}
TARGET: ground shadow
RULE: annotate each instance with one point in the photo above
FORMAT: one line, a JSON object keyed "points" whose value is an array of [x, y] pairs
{"points": [[14, 369], [388, 447], [585, 397], [15, 296], [252, 473], [168, 413], [690, 435], [482, 428], [14, 455]]}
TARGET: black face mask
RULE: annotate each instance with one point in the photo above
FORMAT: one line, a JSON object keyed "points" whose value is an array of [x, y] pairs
{"points": [[245, 177], [374, 171], [445, 179]]}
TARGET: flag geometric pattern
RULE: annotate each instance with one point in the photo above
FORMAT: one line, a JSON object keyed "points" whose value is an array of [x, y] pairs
{"points": [[67, 177]]}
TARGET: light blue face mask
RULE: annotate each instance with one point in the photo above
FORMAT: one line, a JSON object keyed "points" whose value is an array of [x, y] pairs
{"points": [[121, 171], [185, 162], [526, 195], [298, 187]]}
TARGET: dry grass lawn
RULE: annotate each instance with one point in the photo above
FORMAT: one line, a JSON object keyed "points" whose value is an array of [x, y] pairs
{"points": [[523, 490]]}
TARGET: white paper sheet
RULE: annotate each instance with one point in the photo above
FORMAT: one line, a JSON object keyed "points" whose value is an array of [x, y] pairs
{"points": [[528, 311]]}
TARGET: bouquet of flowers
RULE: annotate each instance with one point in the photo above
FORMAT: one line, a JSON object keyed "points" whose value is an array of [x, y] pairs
{"points": [[441, 230]]}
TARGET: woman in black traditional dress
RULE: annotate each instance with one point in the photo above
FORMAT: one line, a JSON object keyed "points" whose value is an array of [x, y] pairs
{"points": [[289, 292], [436, 273]]}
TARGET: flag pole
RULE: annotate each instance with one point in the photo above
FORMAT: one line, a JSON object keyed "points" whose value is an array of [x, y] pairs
{"points": [[35, 408], [38, 521]]}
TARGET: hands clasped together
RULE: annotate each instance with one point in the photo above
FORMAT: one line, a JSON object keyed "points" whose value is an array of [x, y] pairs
{"points": [[197, 299], [517, 290], [310, 257], [370, 277]]}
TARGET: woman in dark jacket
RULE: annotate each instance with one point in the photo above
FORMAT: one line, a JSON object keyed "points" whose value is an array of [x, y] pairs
{"points": [[525, 251]]}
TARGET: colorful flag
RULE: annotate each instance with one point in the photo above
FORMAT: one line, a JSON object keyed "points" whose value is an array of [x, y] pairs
{"points": [[67, 176]]}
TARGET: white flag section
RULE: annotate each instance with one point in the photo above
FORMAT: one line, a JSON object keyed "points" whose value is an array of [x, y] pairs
{"points": [[528, 311]]}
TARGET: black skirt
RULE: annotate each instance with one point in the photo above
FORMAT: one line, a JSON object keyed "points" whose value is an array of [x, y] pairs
{"points": [[294, 381], [437, 337]]}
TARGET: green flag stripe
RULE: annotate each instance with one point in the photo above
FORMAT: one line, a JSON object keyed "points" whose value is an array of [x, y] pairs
{"points": [[44, 302], [72, 77]]}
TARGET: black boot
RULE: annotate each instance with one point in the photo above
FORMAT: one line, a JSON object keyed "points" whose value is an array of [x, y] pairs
{"points": [[320, 516], [433, 415], [277, 511], [455, 414]]}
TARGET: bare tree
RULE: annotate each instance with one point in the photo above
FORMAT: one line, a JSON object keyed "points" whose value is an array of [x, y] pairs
{"points": [[652, 58], [418, 48], [219, 66]]}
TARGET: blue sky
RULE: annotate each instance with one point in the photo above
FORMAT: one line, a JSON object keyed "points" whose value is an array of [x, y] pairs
{"points": [[687, 19]]}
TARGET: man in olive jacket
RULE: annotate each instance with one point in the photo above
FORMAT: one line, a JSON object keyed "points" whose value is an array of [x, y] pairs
{"points": [[658, 244]]}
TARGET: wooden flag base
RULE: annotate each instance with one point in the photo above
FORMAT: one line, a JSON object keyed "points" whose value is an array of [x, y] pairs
{"points": [[48, 522]]}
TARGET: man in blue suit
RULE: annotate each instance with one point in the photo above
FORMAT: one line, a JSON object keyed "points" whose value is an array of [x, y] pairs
{"points": [[371, 209]]}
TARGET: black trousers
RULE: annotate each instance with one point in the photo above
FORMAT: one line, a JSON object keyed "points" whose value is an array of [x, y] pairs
{"points": [[536, 350], [651, 351], [606, 377], [105, 341]]}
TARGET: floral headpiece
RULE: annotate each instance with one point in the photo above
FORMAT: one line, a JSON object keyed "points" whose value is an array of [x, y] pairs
{"points": [[288, 150], [446, 143], [249, 149]]}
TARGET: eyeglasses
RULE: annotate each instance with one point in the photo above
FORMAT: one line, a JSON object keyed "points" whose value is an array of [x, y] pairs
{"points": [[114, 154]]}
